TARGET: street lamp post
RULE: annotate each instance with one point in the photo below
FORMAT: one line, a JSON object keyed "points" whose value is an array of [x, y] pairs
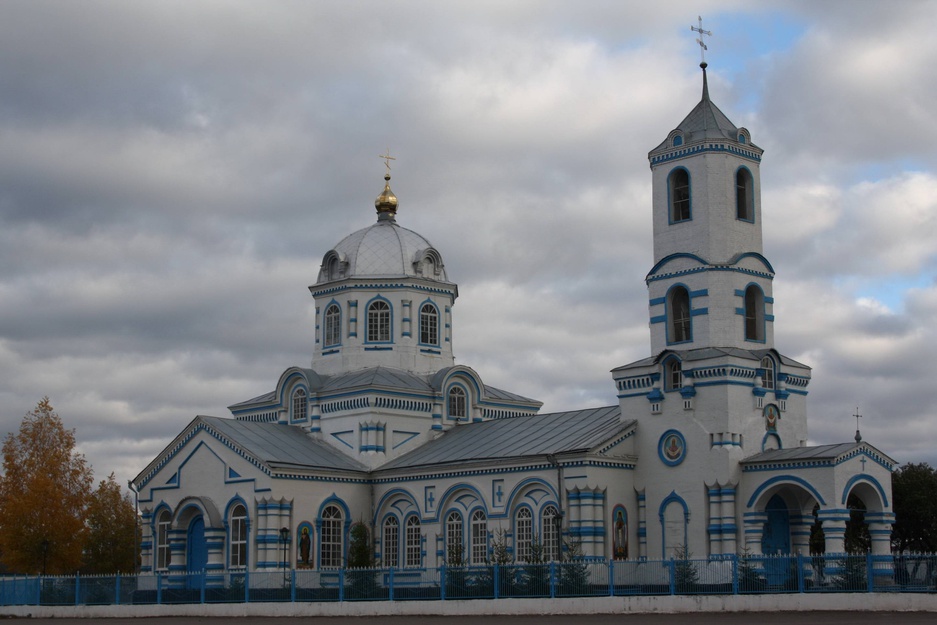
{"points": [[136, 520], [284, 540]]}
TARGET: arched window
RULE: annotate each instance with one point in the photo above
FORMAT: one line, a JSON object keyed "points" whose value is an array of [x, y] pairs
{"points": [[754, 314], [551, 533], [299, 404], [332, 335], [681, 329], [744, 195], [379, 322], [454, 550], [479, 547], [429, 325], [457, 408], [162, 540], [391, 542], [674, 375], [237, 537], [332, 537], [523, 533], [679, 189], [413, 542], [767, 380]]}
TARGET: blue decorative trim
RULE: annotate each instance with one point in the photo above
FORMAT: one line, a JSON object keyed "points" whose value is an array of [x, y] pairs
{"points": [[685, 152], [785, 478], [865, 477]]}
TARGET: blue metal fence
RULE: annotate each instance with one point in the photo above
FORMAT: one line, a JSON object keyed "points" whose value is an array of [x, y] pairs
{"points": [[581, 578]]}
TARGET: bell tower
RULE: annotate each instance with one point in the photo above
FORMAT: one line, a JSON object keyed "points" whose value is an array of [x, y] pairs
{"points": [[710, 285]]}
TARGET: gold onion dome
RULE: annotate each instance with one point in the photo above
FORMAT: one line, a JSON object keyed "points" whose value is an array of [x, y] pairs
{"points": [[386, 202]]}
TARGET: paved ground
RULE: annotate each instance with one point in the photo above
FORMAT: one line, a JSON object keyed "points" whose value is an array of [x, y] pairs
{"points": [[800, 618]]}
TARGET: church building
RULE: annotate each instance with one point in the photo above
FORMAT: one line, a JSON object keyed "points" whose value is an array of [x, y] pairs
{"points": [[704, 453]]}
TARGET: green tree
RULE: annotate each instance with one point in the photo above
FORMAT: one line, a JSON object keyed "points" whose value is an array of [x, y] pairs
{"points": [[111, 521], [914, 502], [43, 494]]}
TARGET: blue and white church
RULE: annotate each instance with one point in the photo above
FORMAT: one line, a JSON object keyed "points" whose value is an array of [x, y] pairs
{"points": [[704, 453]]}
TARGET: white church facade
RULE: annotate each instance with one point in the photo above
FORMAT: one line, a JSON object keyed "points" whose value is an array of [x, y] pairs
{"points": [[705, 452]]}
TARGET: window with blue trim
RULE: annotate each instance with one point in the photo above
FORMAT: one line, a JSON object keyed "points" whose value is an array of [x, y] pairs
{"points": [[163, 555], [332, 538], [523, 534], [299, 404], [390, 547], [379, 322], [767, 379], [413, 542], [429, 325], [332, 334], [237, 537], [673, 372], [679, 183], [455, 555], [479, 546], [550, 520], [680, 328], [744, 195], [457, 403], [754, 314]]}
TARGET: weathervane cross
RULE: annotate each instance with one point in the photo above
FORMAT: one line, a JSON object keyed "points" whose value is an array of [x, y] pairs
{"points": [[699, 40], [387, 159], [857, 416]]}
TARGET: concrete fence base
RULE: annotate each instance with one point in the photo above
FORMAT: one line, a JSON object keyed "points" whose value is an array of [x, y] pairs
{"points": [[867, 602]]}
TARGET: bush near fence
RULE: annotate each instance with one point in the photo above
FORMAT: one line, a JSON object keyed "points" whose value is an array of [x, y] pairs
{"points": [[581, 578]]}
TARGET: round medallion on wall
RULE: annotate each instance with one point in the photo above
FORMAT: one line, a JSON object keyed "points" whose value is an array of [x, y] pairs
{"points": [[672, 448]]}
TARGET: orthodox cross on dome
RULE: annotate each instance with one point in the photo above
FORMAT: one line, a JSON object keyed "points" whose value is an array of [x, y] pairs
{"points": [[387, 159], [858, 416], [699, 40]]}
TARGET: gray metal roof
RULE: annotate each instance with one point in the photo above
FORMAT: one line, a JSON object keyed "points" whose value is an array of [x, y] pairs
{"points": [[280, 445], [817, 452], [516, 437], [376, 377], [706, 353]]}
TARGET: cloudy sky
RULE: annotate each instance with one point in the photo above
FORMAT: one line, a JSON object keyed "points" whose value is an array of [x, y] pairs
{"points": [[171, 174]]}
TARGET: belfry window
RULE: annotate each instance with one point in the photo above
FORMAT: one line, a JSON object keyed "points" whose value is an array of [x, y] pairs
{"points": [[429, 325], [680, 329], [679, 192], [379, 322], [333, 326], [237, 537], [744, 195], [754, 314], [391, 542], [674, 375], [457, 408], [767, 380]]}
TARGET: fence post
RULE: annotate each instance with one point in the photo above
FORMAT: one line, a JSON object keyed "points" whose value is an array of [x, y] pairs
{"points": [[673, 576], [869, 572], [77, 588], [800, 572], [159, 589], [391, 580], [293, 585], [735, 574], [341, 584], [611, 578], [442, 582], [117, 589], [497, 581], [552, 580], [247, 586], [39, 587]]}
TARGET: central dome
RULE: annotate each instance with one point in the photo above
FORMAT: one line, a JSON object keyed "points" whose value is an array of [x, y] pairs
{"points": [[382, 250]]}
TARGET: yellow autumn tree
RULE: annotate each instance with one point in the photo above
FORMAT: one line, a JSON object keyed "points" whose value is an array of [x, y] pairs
{"points": [[111, 520], [43, 494]]}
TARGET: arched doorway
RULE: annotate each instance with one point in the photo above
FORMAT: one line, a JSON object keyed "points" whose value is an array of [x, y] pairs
{"points": [[196, 556], [777, 536]]}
